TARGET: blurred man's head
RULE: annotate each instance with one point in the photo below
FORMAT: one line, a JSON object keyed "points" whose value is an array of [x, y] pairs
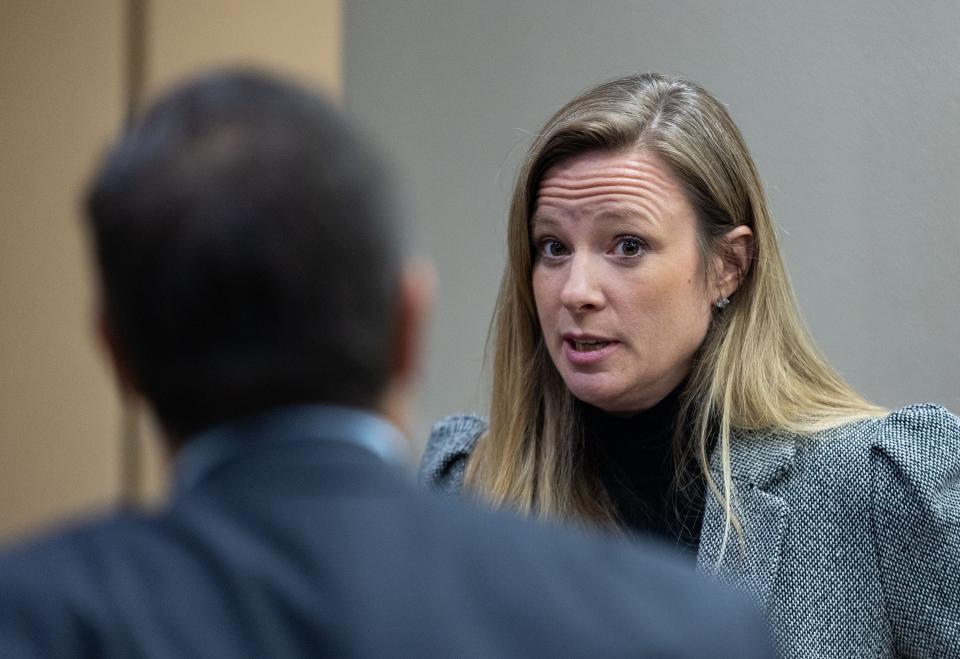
{"points": [[249, 257]]}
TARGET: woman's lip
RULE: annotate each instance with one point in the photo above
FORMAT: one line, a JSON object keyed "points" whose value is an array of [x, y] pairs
{"points": [[582, 338], [579, 358]]}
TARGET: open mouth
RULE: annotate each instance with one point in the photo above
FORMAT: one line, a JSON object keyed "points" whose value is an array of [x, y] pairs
{"points": [[587, 351], [589, 346]]}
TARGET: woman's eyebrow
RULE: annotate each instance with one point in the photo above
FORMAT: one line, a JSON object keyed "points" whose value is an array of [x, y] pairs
{"points": [[544, 222], [621, 220]]}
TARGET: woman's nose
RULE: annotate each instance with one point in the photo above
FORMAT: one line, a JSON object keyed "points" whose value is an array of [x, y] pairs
{"points": [[581, 289]]}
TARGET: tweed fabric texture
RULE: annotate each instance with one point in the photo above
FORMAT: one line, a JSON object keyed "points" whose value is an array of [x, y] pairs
{"points": [[852, 534]]}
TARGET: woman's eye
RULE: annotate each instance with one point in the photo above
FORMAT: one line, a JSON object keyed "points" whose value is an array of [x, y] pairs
{"points": [[629, 247], [552, 248]]}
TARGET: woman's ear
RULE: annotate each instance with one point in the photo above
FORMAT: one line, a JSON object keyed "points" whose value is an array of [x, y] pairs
{"points": [[734, 259]]}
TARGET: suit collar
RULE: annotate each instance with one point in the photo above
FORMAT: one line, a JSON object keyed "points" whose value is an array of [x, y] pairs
{"points": [[758, 462], [285, 426]]}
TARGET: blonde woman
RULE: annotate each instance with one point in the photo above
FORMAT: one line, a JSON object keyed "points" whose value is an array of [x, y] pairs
{"points": [[651, 374]]}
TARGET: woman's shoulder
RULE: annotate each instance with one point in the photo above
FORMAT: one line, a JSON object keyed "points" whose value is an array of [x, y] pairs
{"points": [[915, 519], [452, 440], [923, 442], [922, 434]]}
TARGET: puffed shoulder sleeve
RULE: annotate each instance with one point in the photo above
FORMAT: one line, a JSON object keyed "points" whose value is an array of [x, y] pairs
{"points": [[451, 442], [915, 471]]}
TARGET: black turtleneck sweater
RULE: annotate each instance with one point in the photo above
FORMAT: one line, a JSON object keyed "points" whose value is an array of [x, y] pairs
{"points": [[635, 460]]}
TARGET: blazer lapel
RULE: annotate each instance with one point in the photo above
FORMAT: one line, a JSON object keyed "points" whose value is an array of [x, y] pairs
{"points": [[757, 462]]}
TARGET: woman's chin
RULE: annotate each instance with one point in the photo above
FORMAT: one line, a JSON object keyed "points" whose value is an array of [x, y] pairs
{"points": [[604, 390], [609, 399], [598, 398]]}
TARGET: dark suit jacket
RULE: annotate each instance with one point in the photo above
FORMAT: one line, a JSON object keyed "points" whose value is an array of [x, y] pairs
{"points": [[321, 548]]}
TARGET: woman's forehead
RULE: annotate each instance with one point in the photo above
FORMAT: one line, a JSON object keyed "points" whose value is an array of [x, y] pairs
{"points": [[609, 184]]}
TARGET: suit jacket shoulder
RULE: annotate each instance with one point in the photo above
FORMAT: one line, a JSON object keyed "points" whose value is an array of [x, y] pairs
{"points": [[444, 460], [915, 482], [923, 442], [63, 593]]}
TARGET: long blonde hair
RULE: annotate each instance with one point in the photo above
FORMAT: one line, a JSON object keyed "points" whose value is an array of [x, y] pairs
{"points": [[757, 368]]}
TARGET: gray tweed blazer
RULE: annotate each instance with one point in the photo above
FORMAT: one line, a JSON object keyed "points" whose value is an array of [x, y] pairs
{"points": [[853, 534]]}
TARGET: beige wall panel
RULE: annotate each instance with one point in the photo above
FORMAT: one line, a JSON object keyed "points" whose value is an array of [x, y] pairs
{"points": [[60, 85], [298, 37]]}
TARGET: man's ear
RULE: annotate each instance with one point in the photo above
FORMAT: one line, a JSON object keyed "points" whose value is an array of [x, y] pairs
{"points": [[412, 311], [116, 355], [734, 260], [414, 299]]}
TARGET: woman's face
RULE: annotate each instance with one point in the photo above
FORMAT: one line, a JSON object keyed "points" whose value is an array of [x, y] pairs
{"points": [[617, 278]]}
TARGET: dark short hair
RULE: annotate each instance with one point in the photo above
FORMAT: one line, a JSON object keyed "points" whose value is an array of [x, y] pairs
{"points": [[247, 251]]}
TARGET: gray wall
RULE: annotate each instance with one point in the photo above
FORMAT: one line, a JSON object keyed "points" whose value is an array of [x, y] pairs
{"points": [[852, 111]]}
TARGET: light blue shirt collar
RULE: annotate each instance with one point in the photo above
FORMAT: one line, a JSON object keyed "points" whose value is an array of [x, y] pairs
{"points": [[281, 427]]}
